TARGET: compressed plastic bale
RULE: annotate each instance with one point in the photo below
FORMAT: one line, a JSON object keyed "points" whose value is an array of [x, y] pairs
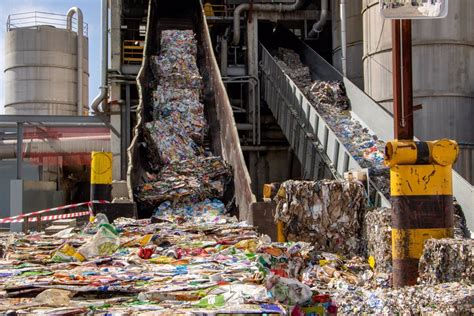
{"points": [[448, 298], [447, 260], [378, 236], [171, 141], [188, 114], [162, 95], [327, 213], [169, 63], [179, 42]]}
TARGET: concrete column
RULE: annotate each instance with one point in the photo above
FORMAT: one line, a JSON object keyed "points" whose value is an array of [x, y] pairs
{"points": [[252, 57], [16, 203], [115, 88]]}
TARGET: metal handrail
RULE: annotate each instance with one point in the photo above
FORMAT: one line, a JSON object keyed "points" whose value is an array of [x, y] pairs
{"points": [[35, 19], [132, 51]]}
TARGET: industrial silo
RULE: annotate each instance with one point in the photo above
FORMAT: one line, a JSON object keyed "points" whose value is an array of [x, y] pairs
{"points": [[41, 66], [443, 70], [354, 38]]}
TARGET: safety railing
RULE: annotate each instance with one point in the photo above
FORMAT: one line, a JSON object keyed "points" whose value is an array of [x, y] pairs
{"points": [[37, 18], [132, 51], [219, 10]]}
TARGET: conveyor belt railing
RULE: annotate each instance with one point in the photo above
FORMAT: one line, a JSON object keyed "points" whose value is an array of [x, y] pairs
{"points": [[317, 147], [296, 116]]}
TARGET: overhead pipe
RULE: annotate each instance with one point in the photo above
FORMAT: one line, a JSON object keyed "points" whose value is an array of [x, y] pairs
{"points": [[260, 7], [343, 38], [103, 59], [80, 51], [318, 26]]}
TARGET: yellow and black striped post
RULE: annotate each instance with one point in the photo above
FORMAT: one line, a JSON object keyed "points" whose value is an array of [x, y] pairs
{"points": [[101, 176], [422, 200]]}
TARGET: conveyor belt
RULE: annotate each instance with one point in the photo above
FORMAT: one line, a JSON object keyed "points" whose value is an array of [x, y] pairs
{"points": [[312, 138], [223, 137]]}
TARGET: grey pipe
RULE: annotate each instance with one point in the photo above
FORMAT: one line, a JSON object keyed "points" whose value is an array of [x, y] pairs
{"points": [[224, 53], [103, 59], [260, 7], [80, 59], [343, 38], [318, 26]]}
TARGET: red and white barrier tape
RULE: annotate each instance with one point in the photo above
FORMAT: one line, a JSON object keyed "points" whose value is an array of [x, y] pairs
{"points": [[59, 216], [20, 218]]}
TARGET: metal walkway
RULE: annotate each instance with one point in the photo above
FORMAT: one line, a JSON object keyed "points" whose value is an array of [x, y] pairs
{"points": [[319, 150]]}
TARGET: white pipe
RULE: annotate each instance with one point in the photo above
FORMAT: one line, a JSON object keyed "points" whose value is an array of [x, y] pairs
{"points": [[260, 7], [343, 38], [224, 53], [103, 59], [318, 26], [60, 146], [80, 59]]}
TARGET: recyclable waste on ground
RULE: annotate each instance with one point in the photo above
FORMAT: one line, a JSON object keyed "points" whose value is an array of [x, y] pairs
{"points": [[196, 260]]}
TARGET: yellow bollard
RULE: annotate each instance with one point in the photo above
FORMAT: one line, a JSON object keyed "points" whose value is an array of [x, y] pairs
{"points": [[422, 200], [101, 176]]}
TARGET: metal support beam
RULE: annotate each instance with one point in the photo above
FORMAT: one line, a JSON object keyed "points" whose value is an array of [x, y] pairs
{"points": [[19, 151], [407, 80], [402, 79], [252, 58], [51, 119], [128, 105], [343, 37]]}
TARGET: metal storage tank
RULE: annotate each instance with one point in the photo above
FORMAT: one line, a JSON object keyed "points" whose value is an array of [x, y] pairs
{"points": [[354, 38], [41, 70], [443, 70]]}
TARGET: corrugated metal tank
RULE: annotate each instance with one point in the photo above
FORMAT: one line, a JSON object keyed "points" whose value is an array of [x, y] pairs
{"points": [[443, 72], [354, 37], [41, 71], [443, 69]]}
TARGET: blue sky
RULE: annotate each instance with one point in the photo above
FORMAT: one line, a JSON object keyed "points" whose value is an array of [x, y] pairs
{"points": [[91, 11]]}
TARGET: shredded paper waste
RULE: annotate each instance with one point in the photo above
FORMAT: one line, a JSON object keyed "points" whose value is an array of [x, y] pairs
{"points": [[327, 213]]}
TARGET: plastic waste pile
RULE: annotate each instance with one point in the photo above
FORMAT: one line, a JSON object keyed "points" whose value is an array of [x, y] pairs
{"points": [[197, 261], [331, 102], [183, 172], [186, 181], [327, 213]]}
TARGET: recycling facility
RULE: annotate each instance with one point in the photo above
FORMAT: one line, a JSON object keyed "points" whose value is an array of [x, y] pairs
{"points": [[192, 257]]}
